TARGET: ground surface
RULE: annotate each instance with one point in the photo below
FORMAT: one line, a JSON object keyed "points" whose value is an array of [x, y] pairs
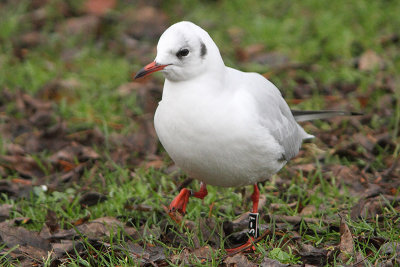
{"points": [[84, 180]]}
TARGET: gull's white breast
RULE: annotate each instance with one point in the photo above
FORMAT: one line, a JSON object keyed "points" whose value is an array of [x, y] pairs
{"points": [[215, 136]]}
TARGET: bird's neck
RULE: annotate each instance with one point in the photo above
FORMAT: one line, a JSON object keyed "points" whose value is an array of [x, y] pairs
{"points": [[208, 83]]}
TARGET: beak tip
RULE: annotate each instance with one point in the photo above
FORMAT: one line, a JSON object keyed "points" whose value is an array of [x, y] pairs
{"points": [[139, 74], [150, 68]]}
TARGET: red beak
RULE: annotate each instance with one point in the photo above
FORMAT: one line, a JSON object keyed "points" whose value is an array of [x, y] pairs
{"points": [[150, 68]]}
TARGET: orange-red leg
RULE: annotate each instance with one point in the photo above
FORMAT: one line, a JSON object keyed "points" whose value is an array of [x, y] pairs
{"points": [[202, 193], [180, 201], [248, 245], [255, 197]]}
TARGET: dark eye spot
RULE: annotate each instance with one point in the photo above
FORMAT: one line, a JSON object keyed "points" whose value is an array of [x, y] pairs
{"points": [[203, 50], [182, 53]]}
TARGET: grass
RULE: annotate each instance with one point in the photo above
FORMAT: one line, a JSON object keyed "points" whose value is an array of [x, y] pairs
{"points": [[328, 35]]}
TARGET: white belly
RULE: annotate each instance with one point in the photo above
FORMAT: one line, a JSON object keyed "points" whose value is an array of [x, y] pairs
{"points": [[218, 148]]}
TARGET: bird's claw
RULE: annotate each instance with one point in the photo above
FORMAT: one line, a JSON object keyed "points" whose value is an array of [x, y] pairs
{"points": [[180, 201], [173, 209]]}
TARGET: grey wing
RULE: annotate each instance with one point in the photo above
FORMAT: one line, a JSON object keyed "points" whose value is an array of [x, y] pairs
{"points": [[290, 135], [277, 117]]}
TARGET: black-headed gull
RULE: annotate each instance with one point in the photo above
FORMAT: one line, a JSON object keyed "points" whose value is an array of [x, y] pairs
{"points": [[220, 125]]}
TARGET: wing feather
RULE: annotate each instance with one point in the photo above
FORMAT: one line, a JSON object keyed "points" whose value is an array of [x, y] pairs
{"points": [[276, 116]]}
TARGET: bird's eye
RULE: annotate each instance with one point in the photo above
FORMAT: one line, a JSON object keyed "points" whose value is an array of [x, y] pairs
{"points": [[182, 53]]}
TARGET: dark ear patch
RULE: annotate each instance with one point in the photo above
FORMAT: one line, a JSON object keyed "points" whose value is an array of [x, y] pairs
{"points": [[203, 50]]}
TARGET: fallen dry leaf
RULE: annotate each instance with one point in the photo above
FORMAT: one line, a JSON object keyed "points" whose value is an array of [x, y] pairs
{"points": [[242, 222], [65, 246], [369, 60], [391, 248], [372, 207], [349, 176], [74, 151], [5, 211], [34, 253], [149, 254], [312, 255], [26, 166], [99, 7], [346, 242], [52, 221], [238, 260], [12, 236], [14, 190], [308, 210], [203, 253], [100, 227]]}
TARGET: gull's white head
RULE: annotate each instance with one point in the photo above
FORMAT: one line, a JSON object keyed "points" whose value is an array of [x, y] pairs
{"points": [[184, 51]]}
